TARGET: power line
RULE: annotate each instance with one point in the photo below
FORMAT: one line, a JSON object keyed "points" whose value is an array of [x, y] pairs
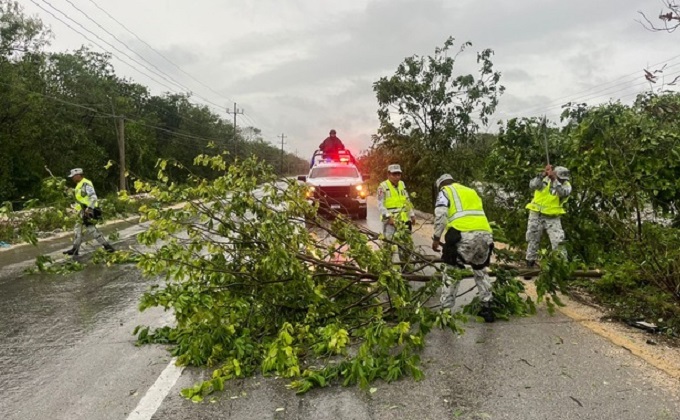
{"points": [[250, 119], [555, 103], [102, 48], [115, 37], [217, 106], [164, 74], [159, 74], [637, 92], [106, 114], [157, 52]]}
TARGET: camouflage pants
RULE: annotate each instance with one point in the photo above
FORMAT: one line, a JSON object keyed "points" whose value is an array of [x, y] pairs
{"points": [[90, 229], [447, 299], [388, 232], [474, 249], [536, 225]]}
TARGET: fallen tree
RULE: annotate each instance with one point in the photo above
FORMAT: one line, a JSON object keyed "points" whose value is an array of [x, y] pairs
{"points": [[258, 283]]}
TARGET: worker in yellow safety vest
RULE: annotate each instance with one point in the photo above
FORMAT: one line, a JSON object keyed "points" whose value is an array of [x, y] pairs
{"points": [[87, 205], [551, 191], [459, 215], [394, 205]]}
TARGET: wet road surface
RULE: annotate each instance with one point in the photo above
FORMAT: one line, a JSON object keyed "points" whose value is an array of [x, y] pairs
{"points": [[67, 352]]}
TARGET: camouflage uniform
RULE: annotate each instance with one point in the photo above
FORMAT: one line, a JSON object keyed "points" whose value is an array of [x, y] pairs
{"points": [[87, 204], [388, 229], [535, 226], [473, 248], [539, 222]]}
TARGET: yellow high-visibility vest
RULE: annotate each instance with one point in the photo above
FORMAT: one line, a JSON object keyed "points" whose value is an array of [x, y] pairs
{"points": [[545, 202], [396, 199], [82, 200], [466, 212]]}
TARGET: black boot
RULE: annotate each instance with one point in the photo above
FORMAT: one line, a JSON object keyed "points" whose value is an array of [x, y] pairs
{"points": [[72, 251], [487, 313], [531, 264], [109, 248]]}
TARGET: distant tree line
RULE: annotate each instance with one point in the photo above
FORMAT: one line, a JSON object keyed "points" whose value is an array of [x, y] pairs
{"points": [[61, 110]]}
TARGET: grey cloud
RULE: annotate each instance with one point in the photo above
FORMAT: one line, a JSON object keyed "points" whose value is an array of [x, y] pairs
{"points": [[513, 103], [515, 75], [374, 39], [329, 55]]}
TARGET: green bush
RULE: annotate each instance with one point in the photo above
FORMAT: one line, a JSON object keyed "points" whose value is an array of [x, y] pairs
{"points": [[113, 205], [6, 232], [47, 220]]}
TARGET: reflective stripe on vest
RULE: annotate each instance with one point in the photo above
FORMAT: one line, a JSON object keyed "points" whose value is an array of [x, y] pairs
{"points": [[545, 202], [466, 212], [396, 199], [82, 200]]}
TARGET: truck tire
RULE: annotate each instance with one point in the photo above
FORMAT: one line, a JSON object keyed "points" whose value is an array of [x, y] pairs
{"points": [[361, 214]]}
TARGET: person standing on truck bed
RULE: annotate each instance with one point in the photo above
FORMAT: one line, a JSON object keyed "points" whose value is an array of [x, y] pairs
{"points": [[331, 145]]}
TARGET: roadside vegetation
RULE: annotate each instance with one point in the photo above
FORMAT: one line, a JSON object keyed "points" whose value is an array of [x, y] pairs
{"points": [[60, 110], [624, 160]]}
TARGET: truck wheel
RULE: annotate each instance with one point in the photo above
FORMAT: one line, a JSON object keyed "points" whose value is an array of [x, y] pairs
{"points": [[361, 214]]}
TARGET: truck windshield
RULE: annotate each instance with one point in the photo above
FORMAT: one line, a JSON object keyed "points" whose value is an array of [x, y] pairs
{"points": [[335, 172]]}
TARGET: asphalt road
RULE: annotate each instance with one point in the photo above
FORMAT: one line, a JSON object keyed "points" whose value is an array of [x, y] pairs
{"points": [[67, 352]]}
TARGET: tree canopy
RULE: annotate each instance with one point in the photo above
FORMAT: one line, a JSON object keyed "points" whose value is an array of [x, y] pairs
{"points": [[59, 110]]}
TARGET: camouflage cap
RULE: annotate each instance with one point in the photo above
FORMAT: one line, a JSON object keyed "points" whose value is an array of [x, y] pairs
{"points": [[441, 179], [561, 172], [394, 168], [75, 171]]}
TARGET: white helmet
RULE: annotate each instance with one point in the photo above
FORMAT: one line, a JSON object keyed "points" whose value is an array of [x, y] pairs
{"points": [[441, 179], [75, 171]]}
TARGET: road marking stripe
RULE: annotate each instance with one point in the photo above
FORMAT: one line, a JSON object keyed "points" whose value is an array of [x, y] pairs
{"points": [[153, 398]]}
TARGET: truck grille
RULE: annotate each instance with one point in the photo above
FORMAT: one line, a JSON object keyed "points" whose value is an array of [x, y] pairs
{"points": [[337, 192]]}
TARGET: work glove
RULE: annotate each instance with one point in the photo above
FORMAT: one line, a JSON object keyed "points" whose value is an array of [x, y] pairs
{"points": [[89, 212], [549, 172], [435, 244]]}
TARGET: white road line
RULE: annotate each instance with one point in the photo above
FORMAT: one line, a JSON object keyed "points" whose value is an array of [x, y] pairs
{"points": [[153, 398]]}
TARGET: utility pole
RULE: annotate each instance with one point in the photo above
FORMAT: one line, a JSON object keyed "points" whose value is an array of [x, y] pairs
{"points": [[282, 137], [121, 152], [119, 124], [236, 111]]}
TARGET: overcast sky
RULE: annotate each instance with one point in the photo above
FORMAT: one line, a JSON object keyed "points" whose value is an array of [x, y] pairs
{"points": [[302, 67]]}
